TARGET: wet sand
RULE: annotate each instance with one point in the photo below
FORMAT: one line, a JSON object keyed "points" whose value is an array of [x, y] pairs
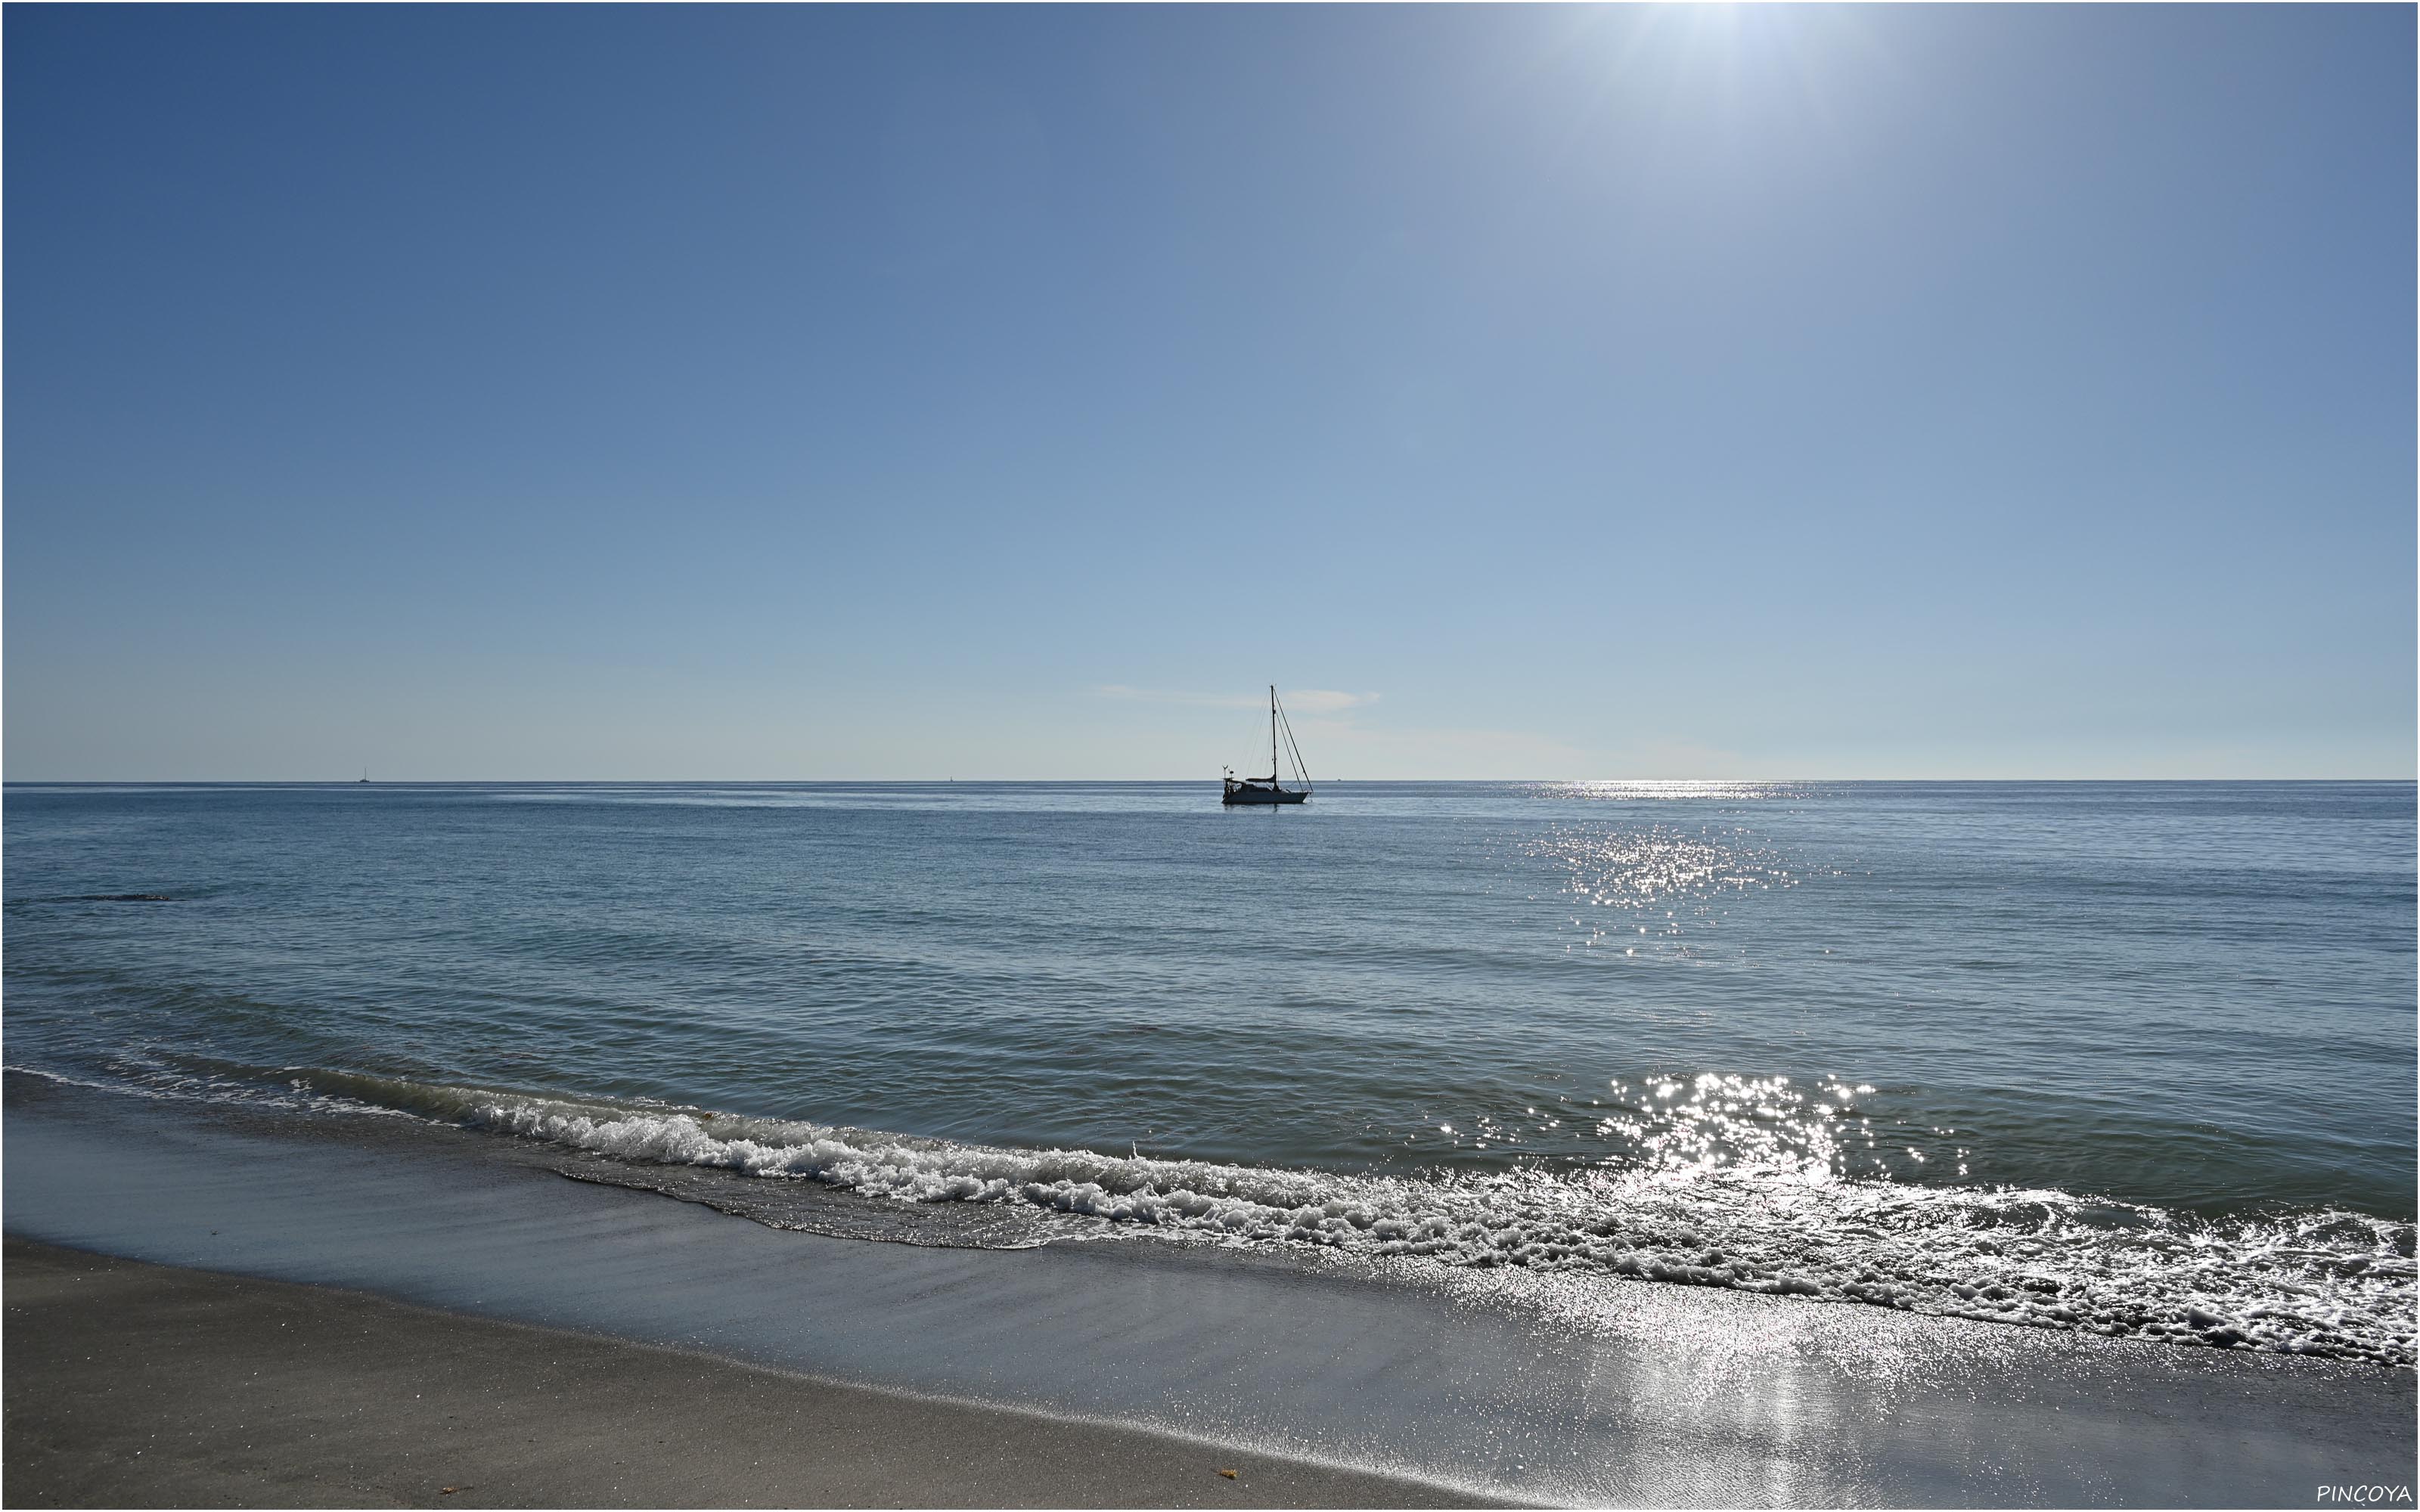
{"points": [[131, 1384], [1486, 1385]]}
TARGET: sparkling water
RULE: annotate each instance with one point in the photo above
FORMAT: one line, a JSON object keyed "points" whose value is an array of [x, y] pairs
{"points": [[2135, 1059]]}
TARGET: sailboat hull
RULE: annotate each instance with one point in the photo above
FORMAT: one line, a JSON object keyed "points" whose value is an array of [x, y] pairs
{"points": [[1253, 792]]}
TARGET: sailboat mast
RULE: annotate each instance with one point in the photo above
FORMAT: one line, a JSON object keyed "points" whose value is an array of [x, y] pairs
{"points": [[1273, 735]]}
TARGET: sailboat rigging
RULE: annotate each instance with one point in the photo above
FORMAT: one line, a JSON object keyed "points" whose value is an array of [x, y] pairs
{"points": [[1252, 790]]}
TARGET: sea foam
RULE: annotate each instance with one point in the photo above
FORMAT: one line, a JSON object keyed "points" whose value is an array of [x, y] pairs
{"points": [[2325, 1283]]}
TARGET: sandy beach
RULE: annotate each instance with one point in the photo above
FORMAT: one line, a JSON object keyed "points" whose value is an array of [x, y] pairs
{"points": [[1081, 1374], [131, 1384]]}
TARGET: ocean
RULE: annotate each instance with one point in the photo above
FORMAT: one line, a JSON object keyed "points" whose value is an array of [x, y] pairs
{"points": [[2122, 1059]]}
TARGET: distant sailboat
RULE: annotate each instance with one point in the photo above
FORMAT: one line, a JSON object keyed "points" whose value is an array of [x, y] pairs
{"points": [[365, 774], [1253, 789]]}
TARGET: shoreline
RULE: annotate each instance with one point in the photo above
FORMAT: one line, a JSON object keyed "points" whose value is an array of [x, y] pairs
{"points": [[138, 1385], [1473, 1386]]}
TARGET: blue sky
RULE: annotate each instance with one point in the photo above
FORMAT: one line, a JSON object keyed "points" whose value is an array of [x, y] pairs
{"points": [[1564, 392]]}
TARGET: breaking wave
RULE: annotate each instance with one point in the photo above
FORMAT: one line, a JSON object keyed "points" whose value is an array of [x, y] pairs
{"points": [[2327, 1283]]}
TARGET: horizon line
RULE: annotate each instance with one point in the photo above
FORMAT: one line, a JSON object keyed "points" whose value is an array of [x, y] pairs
{"points": [[1102, 781]]}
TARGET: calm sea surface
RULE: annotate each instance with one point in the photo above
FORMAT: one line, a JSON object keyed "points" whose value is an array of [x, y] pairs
{"points": [[2131, 1058]]}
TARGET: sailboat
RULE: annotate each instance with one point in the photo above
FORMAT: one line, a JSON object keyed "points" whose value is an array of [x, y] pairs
{"points": [[1252, 789]]}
